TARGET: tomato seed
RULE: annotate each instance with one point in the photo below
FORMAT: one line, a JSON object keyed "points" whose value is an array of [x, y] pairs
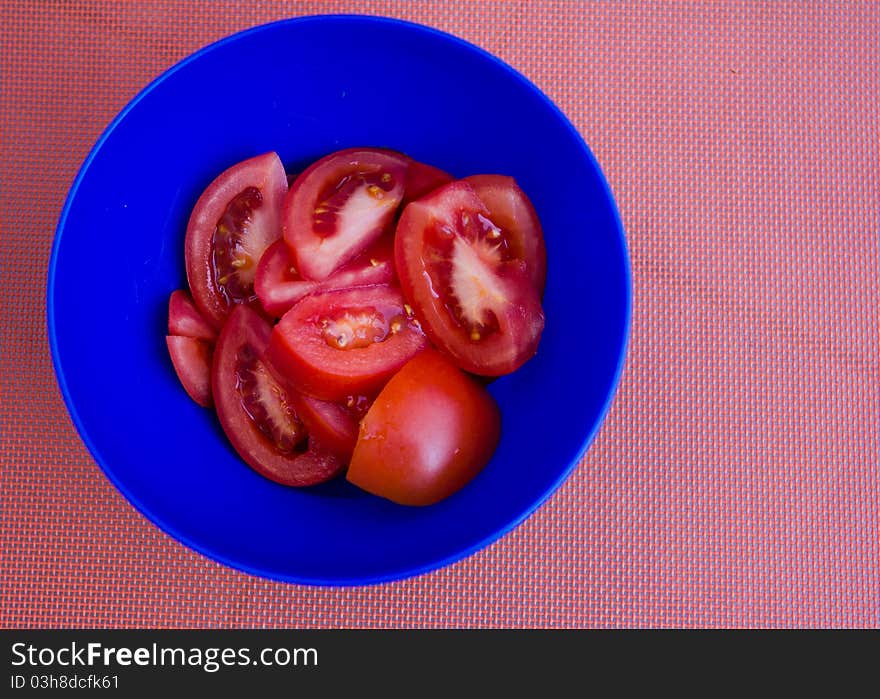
{"points": [[228, 258]]}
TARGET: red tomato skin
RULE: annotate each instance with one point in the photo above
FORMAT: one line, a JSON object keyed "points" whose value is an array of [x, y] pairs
{"points": [[191, 358], [300, 353], [263, 172], [317, 256], [430, 431], [422, 179], [512, 210], [315, 465], [522, 323], [184, 318]]}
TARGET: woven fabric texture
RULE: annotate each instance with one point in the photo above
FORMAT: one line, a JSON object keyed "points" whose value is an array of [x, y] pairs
{"points": [[735, 480]]}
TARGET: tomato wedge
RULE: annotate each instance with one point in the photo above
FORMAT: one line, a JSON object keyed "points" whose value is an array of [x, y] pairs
{"points": [[339, 206], [429, 432], [237, 217], [346, 342], [184, 318], [191, 358], [190, 343], [512, 211], [257, 411], [279, 286], [475, 298], [334, 424]]}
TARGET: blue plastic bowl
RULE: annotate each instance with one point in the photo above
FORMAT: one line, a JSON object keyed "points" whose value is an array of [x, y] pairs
{"points": [[306, 87]]}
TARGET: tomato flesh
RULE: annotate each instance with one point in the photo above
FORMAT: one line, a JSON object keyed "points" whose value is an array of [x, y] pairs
{"points": [[191, 358], [474, 297], [257, 411], [236, 218], [339, 206], [279, 285], [345, 342], [428, 433], [512, 212], [233, 263]]}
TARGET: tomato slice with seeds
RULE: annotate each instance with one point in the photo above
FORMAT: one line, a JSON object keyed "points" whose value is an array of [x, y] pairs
{"points": [[279, 285], [335, 424], [257, 411], [237, 217], [184, 318], [345, 342], [512, 211], [474, 296], [191, 358], [339, 206]]}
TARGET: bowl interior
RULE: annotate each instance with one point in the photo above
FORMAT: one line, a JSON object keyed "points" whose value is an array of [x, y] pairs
{"points": [[304, 88]]}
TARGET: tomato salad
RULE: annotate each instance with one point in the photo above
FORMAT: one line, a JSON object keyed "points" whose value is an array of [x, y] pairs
{"points": [[345, 320]]}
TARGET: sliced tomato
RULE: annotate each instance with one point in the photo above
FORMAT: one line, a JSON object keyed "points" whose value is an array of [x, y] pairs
{"points": [[429, 432], [512, 211], [422, 179], [345, 342], [334, 424], [257, 411], [473, 295], [184, 318], [191, 358], [339, 206], [237, 217], [279, 285]]}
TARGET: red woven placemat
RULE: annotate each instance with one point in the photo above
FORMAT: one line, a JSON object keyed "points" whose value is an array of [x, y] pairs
{"points": [[735, 481]]}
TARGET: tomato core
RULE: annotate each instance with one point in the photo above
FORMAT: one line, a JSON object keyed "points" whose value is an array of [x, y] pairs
{"points": [[359, 191]]}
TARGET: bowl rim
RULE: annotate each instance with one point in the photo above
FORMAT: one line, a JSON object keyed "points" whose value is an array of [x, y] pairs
{"points": [[399, 572]]}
